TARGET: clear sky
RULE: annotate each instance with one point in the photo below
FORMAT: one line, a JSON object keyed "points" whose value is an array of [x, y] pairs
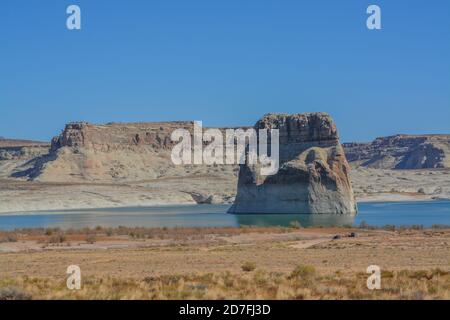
{"points": [[225, 62]]}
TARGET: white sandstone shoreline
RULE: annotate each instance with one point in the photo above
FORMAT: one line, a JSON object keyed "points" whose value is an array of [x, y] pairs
{"points": [[85, 209], [369, 185]]}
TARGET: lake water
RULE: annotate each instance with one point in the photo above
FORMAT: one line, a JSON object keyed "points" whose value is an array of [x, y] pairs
{"points": [[376, 214]]}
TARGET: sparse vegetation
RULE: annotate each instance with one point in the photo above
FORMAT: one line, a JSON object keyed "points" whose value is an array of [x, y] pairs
{"points": [[295, 224], [303, 272], [13, 293], [56, 235], [363, 225], [236, 263], [10, 237], [57, 238], [91, 238], [248, 266], [302, 283]]}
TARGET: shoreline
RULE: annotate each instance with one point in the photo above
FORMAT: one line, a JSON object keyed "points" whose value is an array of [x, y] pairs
{"points": [[369, 185], [66, 210]]}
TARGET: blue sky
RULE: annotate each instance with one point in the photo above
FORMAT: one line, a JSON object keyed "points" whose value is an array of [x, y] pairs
{"points": [[226, 63]]}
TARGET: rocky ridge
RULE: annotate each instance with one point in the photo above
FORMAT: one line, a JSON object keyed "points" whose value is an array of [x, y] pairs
{"points": [[401, 152]]}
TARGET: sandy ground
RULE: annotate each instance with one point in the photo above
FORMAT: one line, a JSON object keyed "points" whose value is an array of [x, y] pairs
{"points": [[270, 250], [29, 196], [368, 184], [400, 185]]}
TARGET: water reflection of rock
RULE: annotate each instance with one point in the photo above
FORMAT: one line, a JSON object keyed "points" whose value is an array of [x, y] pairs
{"points": [[285, 220]]}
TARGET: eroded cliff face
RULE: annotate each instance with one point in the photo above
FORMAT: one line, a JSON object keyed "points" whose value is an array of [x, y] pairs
{"points": [[111, 153], [313, 176], [119, 136], [118, 152], [401, 152]]}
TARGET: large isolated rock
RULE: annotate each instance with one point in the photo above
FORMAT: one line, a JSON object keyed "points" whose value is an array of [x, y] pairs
{"points": [[313, 176]]}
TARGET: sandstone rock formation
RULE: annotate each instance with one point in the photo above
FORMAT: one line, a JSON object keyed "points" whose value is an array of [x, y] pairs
{"points": [[313, 176], [401, 152], [109, 153], [129, 154]]}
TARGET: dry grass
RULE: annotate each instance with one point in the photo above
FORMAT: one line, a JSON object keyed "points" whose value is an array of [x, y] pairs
{"points": [[302, 283], [228, 263], [8, 237], [248, 266], [91, 235], [56, 235]]}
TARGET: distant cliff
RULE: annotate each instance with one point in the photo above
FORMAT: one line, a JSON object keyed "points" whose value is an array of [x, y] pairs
{"points": [[401, 152], [12, 149], [110, 152], [116, 152], [20, 143]]}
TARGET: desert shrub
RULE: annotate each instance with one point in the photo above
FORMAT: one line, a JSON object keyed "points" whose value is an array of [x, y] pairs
{"points": [[363, 225], [421, 274], [260, 278], [387, 274], [389, 227], [57, 238], [295, 224], [11, 237], [303, 271], [228, 279], [439, 272], [248, 266], [14, 293], [91, 238], [440, 226], [52, 231]]}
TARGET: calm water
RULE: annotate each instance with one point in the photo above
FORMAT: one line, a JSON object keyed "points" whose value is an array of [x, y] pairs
{"points": [[377, 214]]}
